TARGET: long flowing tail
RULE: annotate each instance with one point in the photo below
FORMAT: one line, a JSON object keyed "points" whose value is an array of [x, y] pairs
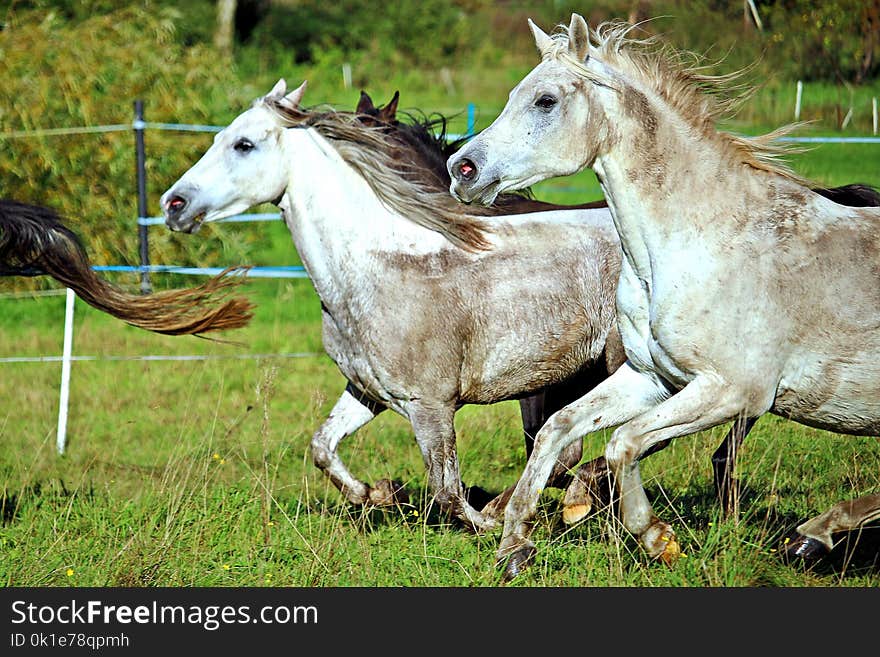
{"points": [[34, 241]]}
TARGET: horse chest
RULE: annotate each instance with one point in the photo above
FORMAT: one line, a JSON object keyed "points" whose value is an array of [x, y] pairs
{"points": [[642, 333], [346, 347]]}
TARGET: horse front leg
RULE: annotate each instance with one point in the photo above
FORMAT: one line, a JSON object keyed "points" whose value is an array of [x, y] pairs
{"points": [[350, 413], [815, 535], [592, 484], [620, 397], [704, 403], [435, 435]]}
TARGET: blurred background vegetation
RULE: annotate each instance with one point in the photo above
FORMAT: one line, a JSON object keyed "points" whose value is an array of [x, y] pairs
{"points": [[70, 63]]}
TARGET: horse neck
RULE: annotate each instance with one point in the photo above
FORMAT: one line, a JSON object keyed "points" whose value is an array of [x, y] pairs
{"points": [[661, 176], [338, 223]]}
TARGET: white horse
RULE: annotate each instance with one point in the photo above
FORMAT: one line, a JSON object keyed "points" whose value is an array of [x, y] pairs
{"points": [[424, 309], [742, 291]]}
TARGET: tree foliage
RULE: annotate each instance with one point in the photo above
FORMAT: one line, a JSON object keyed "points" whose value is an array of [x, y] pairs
{"points": [[834, 40]]}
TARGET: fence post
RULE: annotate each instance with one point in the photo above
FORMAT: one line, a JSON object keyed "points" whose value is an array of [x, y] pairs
{"points": [[874, 113], [143, 236], [64, 396], [471, 119]]}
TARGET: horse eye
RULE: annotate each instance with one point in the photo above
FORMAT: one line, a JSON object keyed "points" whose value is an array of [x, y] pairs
{"points": [[243, 146], [545, 102]]}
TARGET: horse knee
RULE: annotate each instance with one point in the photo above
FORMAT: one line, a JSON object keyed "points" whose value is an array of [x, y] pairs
{"points": [[620, 449], [322, 457], [557, 430]]}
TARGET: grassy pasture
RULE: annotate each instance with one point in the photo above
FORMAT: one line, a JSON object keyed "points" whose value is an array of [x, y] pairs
{"points": [[197, 472]]}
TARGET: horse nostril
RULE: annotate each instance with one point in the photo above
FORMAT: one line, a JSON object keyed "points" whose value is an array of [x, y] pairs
{"points": [[466, 169], [175, 203]]}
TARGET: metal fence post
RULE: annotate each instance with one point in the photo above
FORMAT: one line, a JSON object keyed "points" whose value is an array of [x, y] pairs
{"points": [[143, 235]]}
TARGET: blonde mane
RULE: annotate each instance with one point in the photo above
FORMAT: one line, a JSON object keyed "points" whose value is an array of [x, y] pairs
{"points": [[679, 77], [409, 190]]}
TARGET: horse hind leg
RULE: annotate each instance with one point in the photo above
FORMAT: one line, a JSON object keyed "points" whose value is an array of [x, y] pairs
{"points": [[435, 435], [814, 537], [349, 414], [724, 461]]}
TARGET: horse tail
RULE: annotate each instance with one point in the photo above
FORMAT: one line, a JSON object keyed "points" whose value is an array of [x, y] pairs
{"points": [[34, 241], [856, 195]]}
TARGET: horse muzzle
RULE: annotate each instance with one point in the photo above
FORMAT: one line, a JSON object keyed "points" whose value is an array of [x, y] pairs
{"points": [[181, 214], [468, 182]]}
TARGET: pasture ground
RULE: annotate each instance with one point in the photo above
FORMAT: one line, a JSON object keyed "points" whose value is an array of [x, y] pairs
{"points": [[197, 473]]}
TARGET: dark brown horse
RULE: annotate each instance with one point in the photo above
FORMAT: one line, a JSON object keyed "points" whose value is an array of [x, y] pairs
{"points": [[35, 241]]}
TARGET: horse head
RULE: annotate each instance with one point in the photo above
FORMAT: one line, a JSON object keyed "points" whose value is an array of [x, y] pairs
{"points": [[245, 166], [531, 140], [372, 115]]}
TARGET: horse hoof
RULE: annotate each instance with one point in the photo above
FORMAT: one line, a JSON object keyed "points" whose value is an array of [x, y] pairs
{"points": [[660, 542], [671, 552], [387, 493], [576, 512], [805, 549], [518, 562]]}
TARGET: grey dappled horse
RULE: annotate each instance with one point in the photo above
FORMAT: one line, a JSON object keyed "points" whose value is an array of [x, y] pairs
{"points": [[742, 291]]}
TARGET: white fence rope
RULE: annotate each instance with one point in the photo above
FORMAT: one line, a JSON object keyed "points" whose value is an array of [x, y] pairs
{"points": [[159, 357]]}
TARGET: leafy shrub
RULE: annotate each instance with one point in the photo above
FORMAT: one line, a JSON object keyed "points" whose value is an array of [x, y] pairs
{"points": [[90, 178]]}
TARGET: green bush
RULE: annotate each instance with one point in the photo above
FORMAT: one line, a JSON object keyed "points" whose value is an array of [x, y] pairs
{"points": [[90, 178], [416, 31]]}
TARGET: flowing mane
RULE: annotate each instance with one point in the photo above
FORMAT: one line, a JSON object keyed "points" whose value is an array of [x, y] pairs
{"points": [[386, 163], [679, 78]]}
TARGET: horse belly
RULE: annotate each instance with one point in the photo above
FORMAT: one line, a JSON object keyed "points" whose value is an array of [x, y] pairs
{"points": [[844, 398]]}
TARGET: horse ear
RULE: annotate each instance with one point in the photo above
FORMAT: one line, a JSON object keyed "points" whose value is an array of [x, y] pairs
{"points": [[365, 104], [542, 40], [579, 38], [295, 96], [389, 113], [278, 90]]}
